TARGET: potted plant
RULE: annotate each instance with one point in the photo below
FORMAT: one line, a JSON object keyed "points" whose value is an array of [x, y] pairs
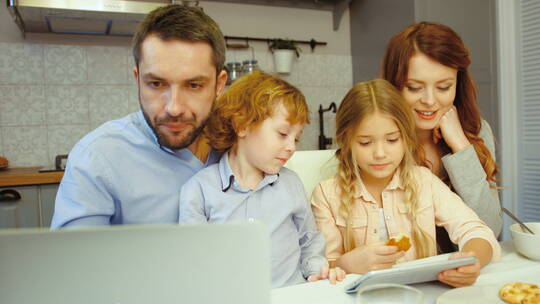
{"points": [[284, 51]]}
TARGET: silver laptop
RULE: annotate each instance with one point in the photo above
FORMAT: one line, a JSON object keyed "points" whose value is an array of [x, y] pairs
{"points": [[204, 263]]}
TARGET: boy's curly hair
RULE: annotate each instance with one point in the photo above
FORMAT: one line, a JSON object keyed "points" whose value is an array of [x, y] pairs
{"points": [[248, 102]]}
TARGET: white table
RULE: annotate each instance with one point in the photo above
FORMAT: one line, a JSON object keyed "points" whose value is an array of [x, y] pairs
{"points": [[512, 267]]}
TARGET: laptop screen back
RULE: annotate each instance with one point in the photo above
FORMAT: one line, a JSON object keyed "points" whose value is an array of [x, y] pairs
{"points": [[205, 263]]}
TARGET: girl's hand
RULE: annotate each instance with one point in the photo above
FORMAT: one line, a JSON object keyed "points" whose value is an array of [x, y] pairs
{"points": [[376, 256], [451, 131], [333, 275], [463, 275]]}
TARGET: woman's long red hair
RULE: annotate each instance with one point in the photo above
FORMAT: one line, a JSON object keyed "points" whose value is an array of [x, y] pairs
{"points": [[442, 44]]}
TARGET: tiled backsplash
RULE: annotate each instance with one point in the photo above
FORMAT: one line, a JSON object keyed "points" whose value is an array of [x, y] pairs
{"points": [[52, 95]]}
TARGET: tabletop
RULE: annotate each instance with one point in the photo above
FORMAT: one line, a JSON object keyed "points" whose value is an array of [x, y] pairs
{"points": [[511, 268]]}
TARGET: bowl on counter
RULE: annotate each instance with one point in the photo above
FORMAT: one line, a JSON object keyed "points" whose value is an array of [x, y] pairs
{"points": [[526, 243]]}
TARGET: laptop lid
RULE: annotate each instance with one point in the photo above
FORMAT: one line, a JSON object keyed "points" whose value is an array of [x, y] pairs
{"points": [[203, 263]]}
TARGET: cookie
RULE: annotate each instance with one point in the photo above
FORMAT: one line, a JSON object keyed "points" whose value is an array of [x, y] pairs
{"points": [[520, 293], [402, 242]]}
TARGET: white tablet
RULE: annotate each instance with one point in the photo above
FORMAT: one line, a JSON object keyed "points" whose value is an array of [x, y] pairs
{"points": [[416, 273]]}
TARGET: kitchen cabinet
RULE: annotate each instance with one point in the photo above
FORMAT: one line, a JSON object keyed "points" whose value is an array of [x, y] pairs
{"points": [[34, 208], [48, 196], [20, 213]]}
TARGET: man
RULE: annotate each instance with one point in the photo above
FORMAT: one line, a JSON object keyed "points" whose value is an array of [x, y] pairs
{"points": [[130, 171]]}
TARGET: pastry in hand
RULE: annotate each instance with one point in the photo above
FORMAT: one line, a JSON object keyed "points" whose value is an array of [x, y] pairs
{"points": [[522, 293], [402, 241]]}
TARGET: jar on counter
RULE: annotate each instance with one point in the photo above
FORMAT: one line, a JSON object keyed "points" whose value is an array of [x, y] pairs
{"points": [[248, 66], [234, 71]]}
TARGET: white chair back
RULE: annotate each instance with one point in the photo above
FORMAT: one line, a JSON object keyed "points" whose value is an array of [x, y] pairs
{"points": [[313, 167]]}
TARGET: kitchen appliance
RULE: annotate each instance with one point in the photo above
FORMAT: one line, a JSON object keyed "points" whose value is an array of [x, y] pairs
{"points": [[104, 17], [60, 162]]}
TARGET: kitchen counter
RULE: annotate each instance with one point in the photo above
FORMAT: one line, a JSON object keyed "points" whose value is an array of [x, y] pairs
{"points": [[11, 177], [512, 267]]}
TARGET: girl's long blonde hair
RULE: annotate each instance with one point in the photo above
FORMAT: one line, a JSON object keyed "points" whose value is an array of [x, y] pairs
{"points": [[366, 98]]}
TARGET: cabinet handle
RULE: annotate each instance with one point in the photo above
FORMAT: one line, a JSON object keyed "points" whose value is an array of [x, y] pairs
{"points": [[9, 195]]}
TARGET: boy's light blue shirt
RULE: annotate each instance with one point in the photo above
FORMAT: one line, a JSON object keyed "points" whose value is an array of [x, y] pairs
{"points": [[119, 174], [214, 195]]}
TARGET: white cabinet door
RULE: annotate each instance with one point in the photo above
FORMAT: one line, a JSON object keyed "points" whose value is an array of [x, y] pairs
{"points": [[48, 196], [22, 212]]}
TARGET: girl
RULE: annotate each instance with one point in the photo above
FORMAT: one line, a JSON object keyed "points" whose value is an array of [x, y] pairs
{"points": [[428, 63], [258, 121], [379, 192]]}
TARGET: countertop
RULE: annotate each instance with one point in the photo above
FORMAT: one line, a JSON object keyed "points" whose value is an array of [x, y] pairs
{"points": [[512, 267], [11, 177]]}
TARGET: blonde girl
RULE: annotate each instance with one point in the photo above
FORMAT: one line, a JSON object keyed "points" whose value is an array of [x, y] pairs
{"points": [[379, 192]]}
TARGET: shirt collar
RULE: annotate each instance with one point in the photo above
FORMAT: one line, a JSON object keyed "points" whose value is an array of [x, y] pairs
{"points": [[228, 179], [146, 128], [394, 184]]}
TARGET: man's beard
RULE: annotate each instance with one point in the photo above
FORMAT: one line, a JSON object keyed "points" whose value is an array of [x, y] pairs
{"points": [[189, 137]]}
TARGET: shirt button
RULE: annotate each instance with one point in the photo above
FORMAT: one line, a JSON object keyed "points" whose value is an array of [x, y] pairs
{"points": [[375, 231], [388, 217], [373, 206], [251, 219]]}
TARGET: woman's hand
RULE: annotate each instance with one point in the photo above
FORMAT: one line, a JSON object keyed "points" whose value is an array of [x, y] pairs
{"points": [[463, 275], [333, 275], [451, 131]]}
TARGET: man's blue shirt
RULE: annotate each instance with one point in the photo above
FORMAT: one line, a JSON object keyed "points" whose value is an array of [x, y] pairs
{"points": [[119, 174]]}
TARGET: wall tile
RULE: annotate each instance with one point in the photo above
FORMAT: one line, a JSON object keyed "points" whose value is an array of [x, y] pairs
{"points": [[67, 105], [133, 98], [61, 139], [22, 105], [130, 61], [107, 103], [311, 70], [25, 146], [106, 65], [21, 63], [339, 93], [65, 64], [1, 144], [52, 95], [338, 70]]}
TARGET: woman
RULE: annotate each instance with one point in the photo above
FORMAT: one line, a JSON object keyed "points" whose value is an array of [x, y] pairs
{"points": [[428, 63]]}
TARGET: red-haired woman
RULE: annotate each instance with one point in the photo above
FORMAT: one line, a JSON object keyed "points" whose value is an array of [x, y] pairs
{"points": [[428, 63]]}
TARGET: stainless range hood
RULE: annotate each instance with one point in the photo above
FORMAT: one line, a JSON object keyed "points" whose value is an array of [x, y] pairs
{"points": [[96, 17]]}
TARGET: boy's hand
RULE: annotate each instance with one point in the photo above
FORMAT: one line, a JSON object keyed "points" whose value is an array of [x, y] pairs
{"points": [[463, 275], [333, 275]]}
